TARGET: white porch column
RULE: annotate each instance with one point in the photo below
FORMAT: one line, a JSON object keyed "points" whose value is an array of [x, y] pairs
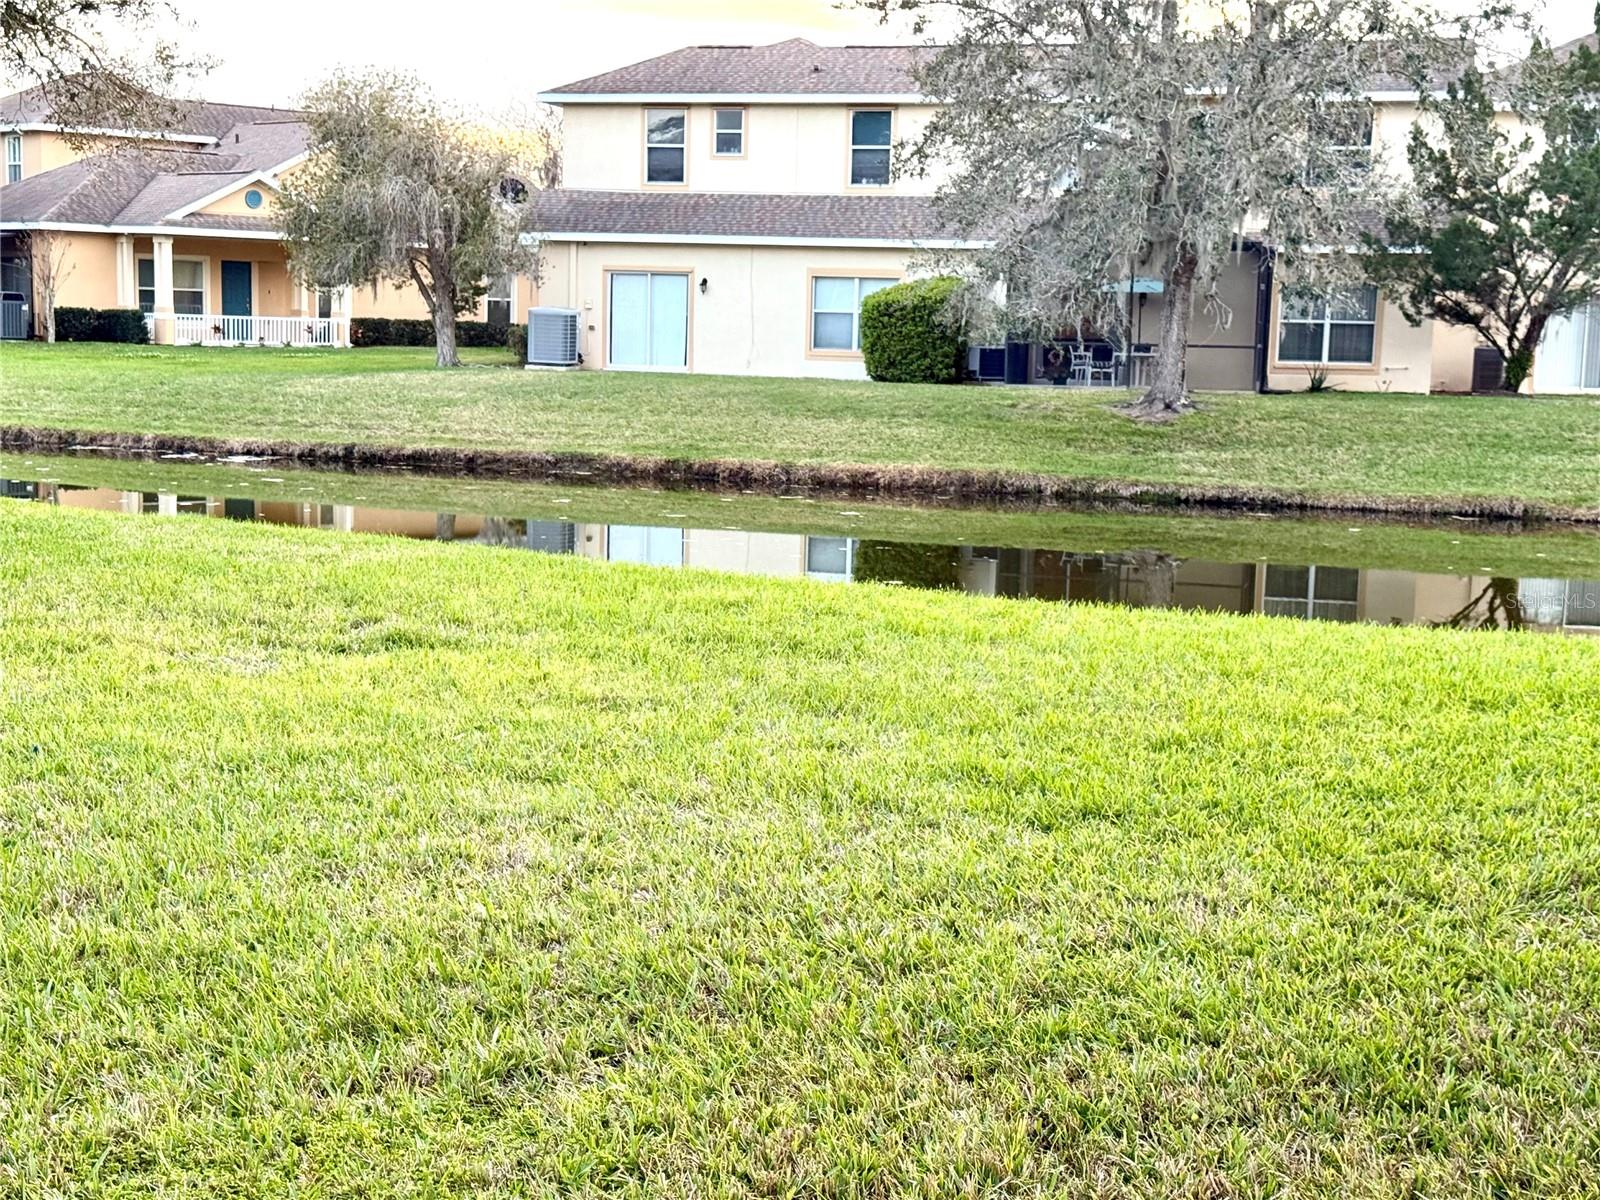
{"points": [[340, 310], [166, 326], [127, 275]]}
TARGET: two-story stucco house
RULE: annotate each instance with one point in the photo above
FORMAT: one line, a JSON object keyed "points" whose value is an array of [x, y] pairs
{"points": [[725, 209], [180, 222]]}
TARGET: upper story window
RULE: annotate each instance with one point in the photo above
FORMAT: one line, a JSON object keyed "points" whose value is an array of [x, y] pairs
{"points": [[1349, 144], [1340, 327], [729, 131], [665, 130], [871, 136], [13, 157]]}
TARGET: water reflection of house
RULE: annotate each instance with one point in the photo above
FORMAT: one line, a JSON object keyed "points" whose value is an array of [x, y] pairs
{"points": [[1137, 578]]}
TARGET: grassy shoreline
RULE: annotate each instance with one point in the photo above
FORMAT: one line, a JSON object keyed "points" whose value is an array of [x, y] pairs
{"points": [[1466, 454], [339, 864]]}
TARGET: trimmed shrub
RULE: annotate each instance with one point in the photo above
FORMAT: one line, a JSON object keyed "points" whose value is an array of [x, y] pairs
{"points": [[101, 325], [904, 338], [409, 331], [517, 342]]}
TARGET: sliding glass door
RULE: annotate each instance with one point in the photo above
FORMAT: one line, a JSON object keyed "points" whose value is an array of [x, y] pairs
{"points": [[649, 316]]}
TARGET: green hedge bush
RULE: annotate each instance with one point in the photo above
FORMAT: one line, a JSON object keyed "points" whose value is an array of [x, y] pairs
{"points": [[904, 338], [101, 325], [914, 564], [408, 331], [517, 342]]}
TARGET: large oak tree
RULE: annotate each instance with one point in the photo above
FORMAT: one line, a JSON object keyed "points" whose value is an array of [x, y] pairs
{"points": [[1098, 140]]}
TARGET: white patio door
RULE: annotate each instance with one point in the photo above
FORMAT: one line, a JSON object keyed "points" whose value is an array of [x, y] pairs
{"points": [[649, 321]]}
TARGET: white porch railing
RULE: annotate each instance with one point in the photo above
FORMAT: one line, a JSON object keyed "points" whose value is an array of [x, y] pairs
{"points": [[214, 329]]}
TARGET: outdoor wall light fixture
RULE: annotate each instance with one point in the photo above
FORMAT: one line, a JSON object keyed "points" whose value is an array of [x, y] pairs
{"points": [[702, 285]]}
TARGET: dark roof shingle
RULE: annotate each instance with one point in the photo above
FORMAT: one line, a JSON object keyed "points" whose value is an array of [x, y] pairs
{"points": [[796, 67], [737, 215]]}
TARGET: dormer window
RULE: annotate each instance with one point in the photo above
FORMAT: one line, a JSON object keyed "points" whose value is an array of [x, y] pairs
{"points": [[664, 133], [729, 130], [871, 136]]}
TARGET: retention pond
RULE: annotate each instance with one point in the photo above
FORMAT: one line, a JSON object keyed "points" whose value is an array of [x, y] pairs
{"points": [[1459, 573]]}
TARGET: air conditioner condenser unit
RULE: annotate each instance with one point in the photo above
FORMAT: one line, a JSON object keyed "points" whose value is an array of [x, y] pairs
{"points": [[553, 337]]}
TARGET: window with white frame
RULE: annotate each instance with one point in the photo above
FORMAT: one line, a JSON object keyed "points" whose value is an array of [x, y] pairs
{"points": [[1566, 603], [497, 304], [1312, 593], [188, 285], [1346, 142], [728, 130], [13, 157], [1340, 327], [836, 310], [665, 131], [871, 136], [831, 558]]}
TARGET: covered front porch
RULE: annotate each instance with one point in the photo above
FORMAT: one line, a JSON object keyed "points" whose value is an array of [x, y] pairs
{"points": [[225, 291]]}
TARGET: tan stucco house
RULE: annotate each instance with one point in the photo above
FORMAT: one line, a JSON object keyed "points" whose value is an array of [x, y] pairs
{"points": [[725, 209], [181, 223]]}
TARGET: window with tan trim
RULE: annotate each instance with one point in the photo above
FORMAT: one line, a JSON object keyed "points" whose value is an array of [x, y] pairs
{"points": [[13, 157], [871, 139], [1340, 327], [665, 141], [836, 311], [728, 132]]}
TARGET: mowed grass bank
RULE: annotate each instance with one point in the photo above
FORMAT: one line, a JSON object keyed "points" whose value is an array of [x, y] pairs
{"points": [[1544, 450], [359, 867]]}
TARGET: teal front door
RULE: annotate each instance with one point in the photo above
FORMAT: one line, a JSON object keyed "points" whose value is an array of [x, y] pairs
{"points": [[236, 289]]}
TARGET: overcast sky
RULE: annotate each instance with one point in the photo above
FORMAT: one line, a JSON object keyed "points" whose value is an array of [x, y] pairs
{"points": [[494, 54]]}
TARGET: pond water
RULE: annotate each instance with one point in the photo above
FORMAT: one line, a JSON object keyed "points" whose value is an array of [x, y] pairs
{"points": [[1445, 574]]}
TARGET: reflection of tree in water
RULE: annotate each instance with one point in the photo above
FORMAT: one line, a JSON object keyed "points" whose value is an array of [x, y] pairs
{"points": [[1136, 578], [444, 527], [500, 531], [1497, 606]]}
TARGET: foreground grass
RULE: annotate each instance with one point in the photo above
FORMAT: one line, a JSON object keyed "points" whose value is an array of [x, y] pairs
{"points": [[1438, 547], [1545, 449], [348, 867]]}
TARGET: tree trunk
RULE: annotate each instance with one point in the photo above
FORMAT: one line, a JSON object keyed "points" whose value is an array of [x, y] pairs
{"points": [[1519, 363], [442, 300], [1168, 392], [444, 329]]}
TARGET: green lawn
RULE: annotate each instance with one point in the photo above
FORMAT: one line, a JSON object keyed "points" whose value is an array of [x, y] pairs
{"points": [[337, 866], [1544, 450]]}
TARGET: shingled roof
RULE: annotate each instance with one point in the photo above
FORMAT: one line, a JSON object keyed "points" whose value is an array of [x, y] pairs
{"points": [[794, 67], [565, 213], [189, 118], [147, 186]]}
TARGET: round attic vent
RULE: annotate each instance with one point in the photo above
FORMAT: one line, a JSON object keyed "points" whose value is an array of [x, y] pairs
{"points": [[252, 198]]}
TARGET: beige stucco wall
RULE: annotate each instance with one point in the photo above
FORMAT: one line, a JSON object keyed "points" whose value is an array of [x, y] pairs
{"points": [[90, 274], [789, 148], [1221, 337], [1402, 357], [406, 302], [753, 317]]}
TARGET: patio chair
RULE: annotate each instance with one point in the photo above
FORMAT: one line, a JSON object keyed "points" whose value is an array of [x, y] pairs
{"points": [[1082, 367]]}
